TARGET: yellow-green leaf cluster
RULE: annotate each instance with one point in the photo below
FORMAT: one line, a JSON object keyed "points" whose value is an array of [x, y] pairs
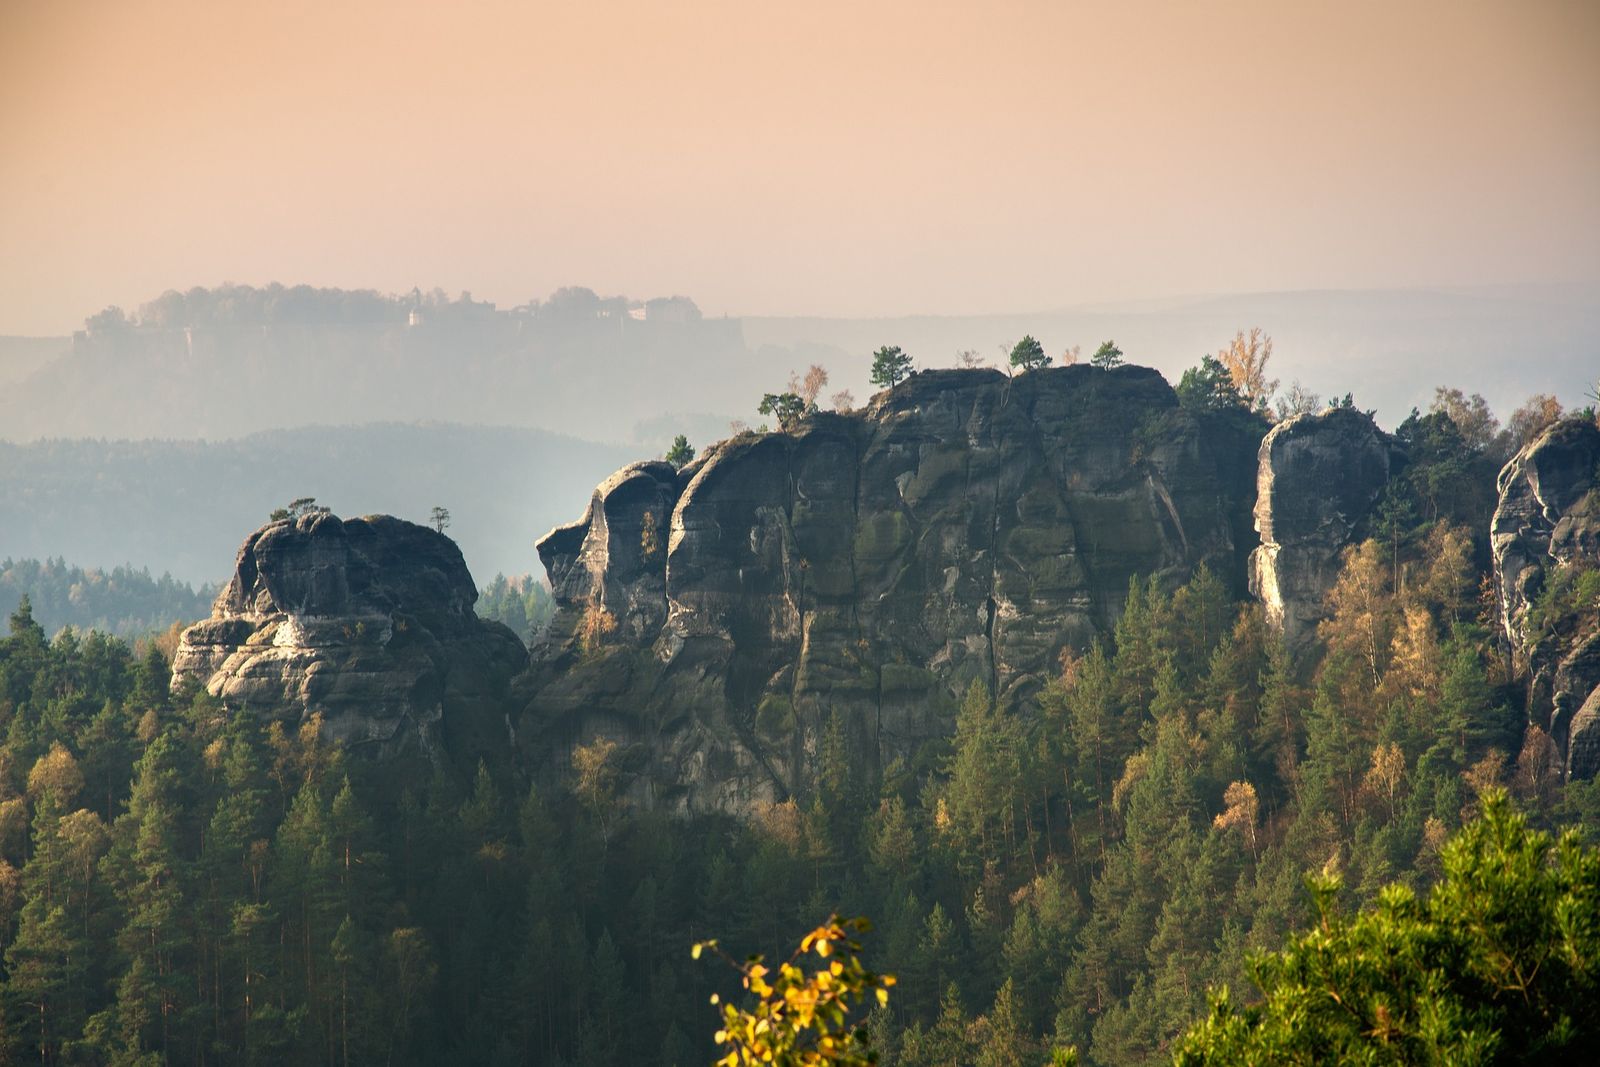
{"points": [[802, 1015]]}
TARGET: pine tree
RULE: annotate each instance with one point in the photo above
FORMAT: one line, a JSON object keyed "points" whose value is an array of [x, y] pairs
{"points": [[1005, 1042], [1500, 964], [107, 746], [1039, 943], [1102, 733], [45, 964], [1336, 749], [946, 1044], [1029, 354], [151, 690], [1108, 355], [933, 964], [305, 892], [889, 366], [150, 873], [413, 973], [985, 775]]}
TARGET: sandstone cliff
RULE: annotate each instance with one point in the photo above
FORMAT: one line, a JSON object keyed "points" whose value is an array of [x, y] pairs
{"points": [[1318, 480], [1545, 535], [866, 566], [368, 621]]}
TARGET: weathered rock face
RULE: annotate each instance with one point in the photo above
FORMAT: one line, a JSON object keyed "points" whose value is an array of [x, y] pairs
{"points": [[1318, 478], [368, 621], [1547, 527], [866, 566]]}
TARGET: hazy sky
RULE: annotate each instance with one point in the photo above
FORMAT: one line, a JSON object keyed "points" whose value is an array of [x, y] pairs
{"points": [[845, 159]]}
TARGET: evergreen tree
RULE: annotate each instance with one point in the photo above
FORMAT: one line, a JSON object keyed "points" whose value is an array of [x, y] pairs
{"points": [[1029, 354], [1108, 355], [1499, 964], [46, 965], [681, 453], [1005, 1041], [149, 872], [889, 366], [985, 772]]}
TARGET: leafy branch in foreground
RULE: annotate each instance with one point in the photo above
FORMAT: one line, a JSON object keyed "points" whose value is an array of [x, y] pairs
{"points": [[802, 1018], [1500, 965]]}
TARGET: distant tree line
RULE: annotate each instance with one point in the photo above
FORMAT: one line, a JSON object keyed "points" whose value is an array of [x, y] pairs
{"points": [[275, 304], [522, 602], [141, 499], [123, 601]]}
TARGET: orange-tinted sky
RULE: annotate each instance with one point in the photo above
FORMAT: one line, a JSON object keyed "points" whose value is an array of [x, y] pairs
{"points": [[830, 158]]}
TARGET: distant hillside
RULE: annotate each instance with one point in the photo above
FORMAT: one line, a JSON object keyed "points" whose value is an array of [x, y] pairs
{"points": [[223, 363], [185, 506], [122, 601], [228, 362], [22, 356]]}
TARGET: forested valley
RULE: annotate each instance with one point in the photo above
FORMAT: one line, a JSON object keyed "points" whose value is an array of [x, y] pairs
{"points": [[180, 506], [765, 535], [122, 602], [185, 884]]}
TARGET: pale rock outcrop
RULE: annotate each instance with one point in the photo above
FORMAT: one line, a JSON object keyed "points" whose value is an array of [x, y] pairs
{"points": [[1318, 478], [868, 566], [367, 621], [1548, 522]]}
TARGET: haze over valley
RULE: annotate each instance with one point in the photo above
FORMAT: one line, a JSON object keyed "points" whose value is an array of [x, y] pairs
{"points": [[887, 533], [397, 403]]}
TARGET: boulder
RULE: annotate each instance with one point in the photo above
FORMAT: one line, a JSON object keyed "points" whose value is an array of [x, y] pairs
{"points": [[366, 621]]}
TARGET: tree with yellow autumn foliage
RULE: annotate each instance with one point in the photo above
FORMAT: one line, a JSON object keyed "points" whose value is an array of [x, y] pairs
{"points": [[1245, 359], [803, 1017]]}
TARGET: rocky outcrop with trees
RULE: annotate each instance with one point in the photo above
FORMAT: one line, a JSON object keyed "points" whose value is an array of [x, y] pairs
{"points": [[1319, 478], [863, 569], [1124, 803], [1546, 542], [366, 622]]}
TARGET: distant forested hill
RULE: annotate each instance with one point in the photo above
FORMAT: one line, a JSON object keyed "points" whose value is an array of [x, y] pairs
{"points": [[127, 602], [237, 360], [21, 356], [185, 506], [122, 601]]}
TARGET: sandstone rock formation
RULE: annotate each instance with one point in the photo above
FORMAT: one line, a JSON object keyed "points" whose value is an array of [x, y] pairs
{"points": [[1319, 477], [867, 566], [368, 621], [1546, 530]]}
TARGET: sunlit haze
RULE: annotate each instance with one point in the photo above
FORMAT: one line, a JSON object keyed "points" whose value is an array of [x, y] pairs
{"points": [[820, 158]]}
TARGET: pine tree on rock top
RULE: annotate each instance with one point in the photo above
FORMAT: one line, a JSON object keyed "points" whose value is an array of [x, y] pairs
{"points": [[1108, 355], [1029, 354], [890, 365]]}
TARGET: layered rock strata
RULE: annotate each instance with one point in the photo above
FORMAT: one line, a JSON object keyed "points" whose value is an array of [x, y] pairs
{"points": [[366, 621], [1546, 529], [865, 566], [1319, 478]]}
